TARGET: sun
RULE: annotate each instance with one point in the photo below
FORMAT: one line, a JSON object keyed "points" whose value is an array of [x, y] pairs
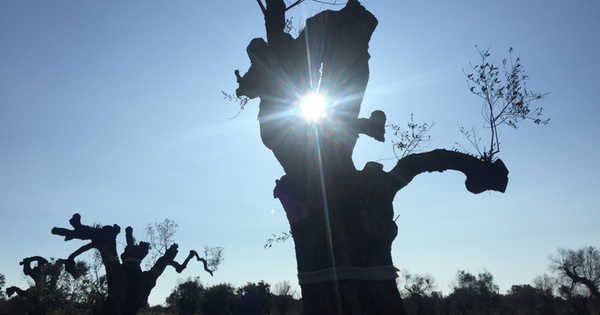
{"points": [[313, 106]]}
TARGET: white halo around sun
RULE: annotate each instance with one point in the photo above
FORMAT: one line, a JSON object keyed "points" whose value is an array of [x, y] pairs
{"points": [[313, 106]]}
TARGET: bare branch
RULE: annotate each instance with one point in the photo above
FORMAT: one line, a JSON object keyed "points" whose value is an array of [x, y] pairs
{"points": [[481, 176]]}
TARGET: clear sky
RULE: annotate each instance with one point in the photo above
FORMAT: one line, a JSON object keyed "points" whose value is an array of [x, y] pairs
{"points": [[113, 109]]}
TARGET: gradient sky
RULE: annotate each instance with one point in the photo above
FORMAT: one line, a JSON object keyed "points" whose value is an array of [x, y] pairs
{"points": [[113, 109]]}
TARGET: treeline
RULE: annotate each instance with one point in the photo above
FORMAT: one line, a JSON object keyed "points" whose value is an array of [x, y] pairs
{"points": [[57, 293], [478, 294], [570, 288], [191, 297], [563, 292]]}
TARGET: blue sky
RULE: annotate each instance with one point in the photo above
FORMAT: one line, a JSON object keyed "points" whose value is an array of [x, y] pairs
{"points": [[114, 110]]}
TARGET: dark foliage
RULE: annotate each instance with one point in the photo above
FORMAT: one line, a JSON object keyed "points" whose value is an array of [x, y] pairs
{"points": [[187, 297], [219, 299]]}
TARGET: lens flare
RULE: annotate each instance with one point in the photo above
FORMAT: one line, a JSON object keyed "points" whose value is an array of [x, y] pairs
{"points": [[313, 106]]}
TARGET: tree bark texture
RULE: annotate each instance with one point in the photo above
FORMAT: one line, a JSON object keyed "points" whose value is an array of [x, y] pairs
{"points": [[341, 218]]}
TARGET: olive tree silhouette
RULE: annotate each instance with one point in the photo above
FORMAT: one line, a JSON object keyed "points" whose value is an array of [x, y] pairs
{"points": [[128, 286], [341, 218], [579, 267], [36, 273], [45, 294]]}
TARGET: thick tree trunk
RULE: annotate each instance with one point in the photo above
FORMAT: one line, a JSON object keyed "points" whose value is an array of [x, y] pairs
{"points": [[341, 218], [343, 228]]}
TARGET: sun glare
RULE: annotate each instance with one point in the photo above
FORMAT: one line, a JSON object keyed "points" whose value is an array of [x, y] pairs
{"points": [[313, 107]]}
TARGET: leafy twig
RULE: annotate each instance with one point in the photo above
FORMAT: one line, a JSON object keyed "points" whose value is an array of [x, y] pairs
{"points": [[505, 101], [410, 139], [284, 236]]}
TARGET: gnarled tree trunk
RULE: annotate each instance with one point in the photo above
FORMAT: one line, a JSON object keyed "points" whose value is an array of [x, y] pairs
{"points": [[128, 286], [341, 218]]}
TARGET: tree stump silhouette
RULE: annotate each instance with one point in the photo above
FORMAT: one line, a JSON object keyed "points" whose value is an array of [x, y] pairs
{"points": [[128, 286], [35, 273], [341, 218]]}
